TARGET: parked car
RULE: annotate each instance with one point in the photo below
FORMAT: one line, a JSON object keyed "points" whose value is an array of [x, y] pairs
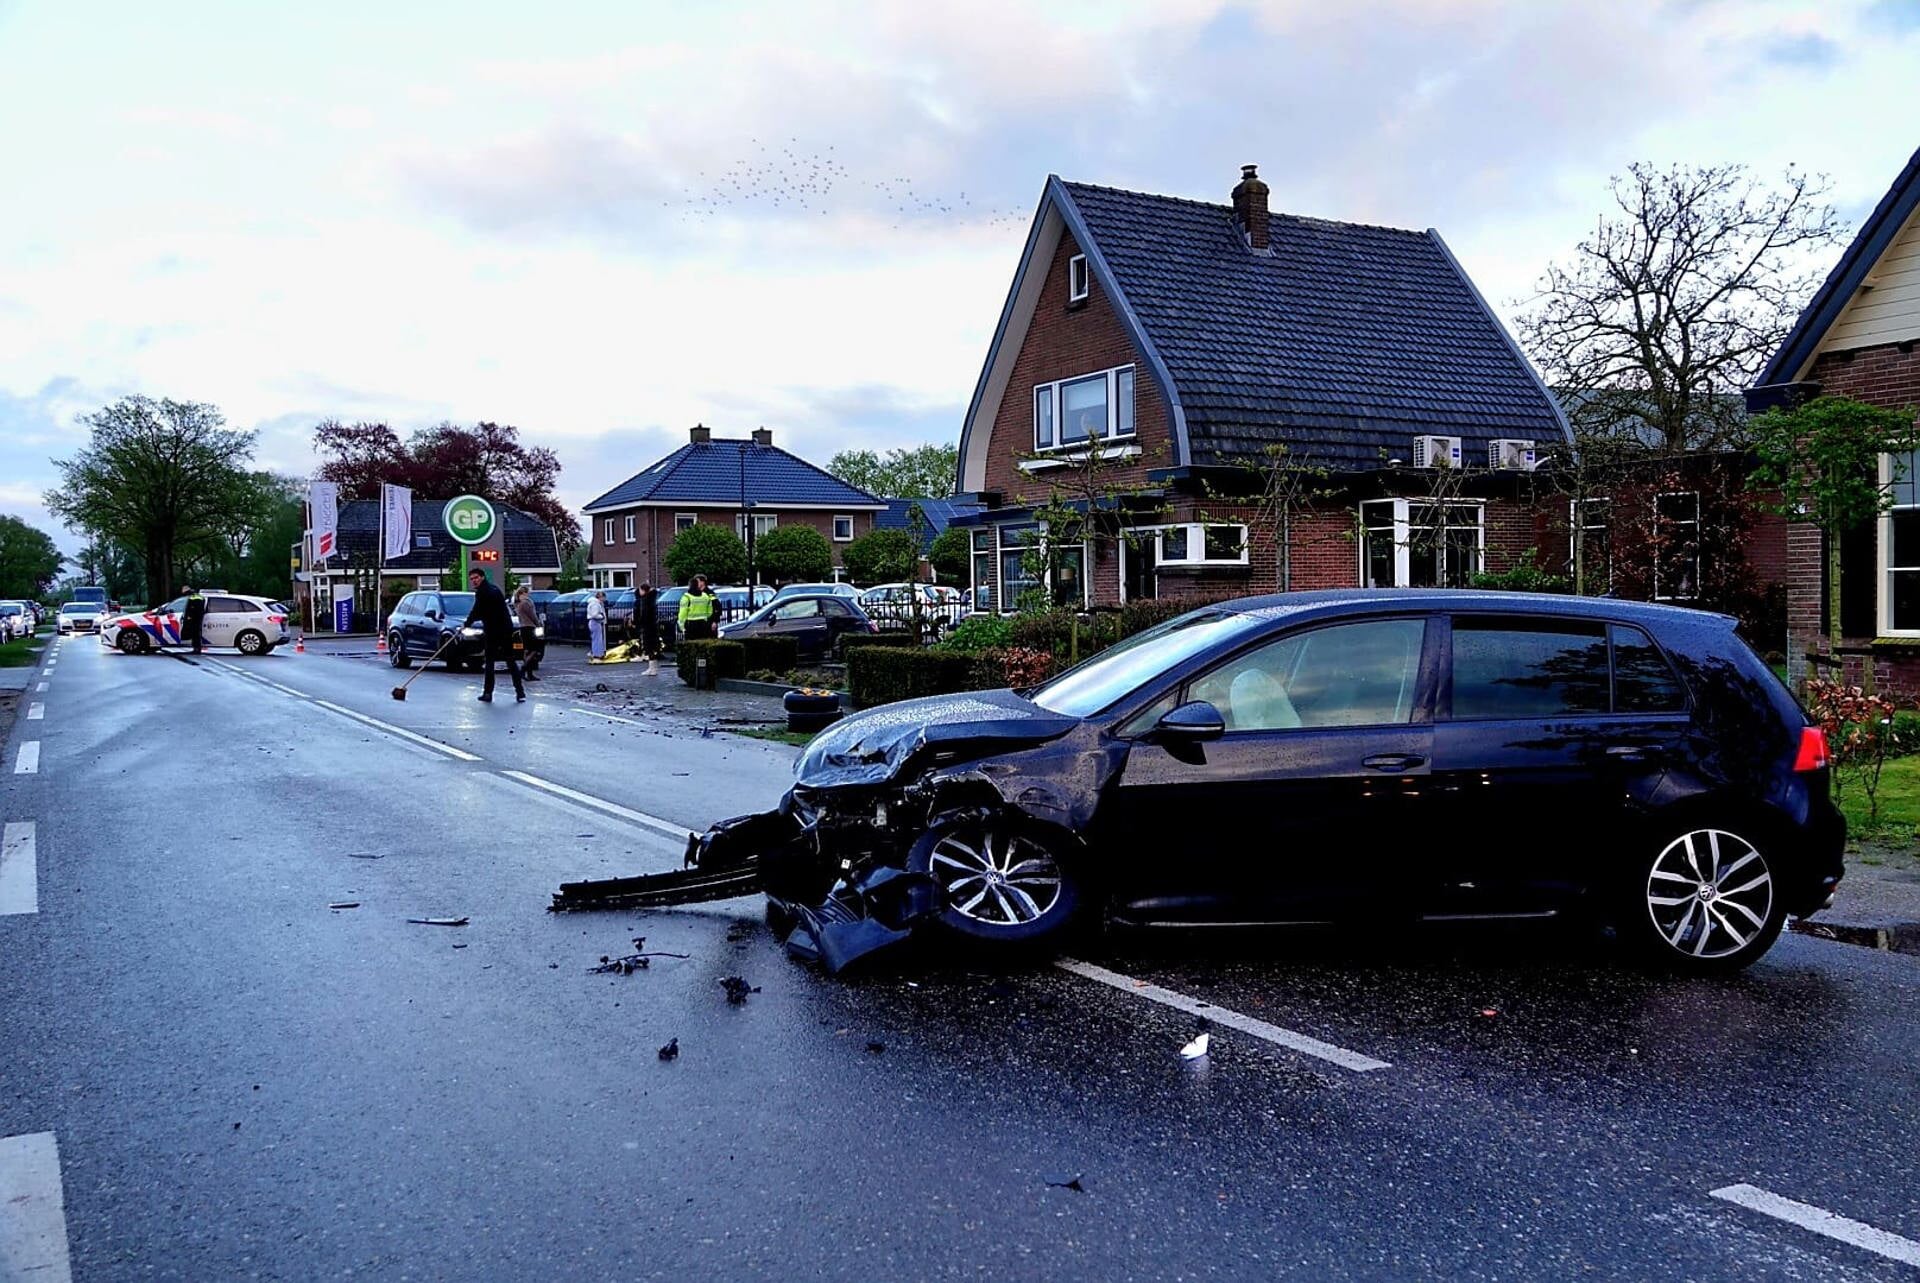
{"points": [[1369, 758], [735, 603], [837, 590], [79, 617], [815, 621], [250, 625], [422, 622], [566, 616], [16, 620], [892, 607]]}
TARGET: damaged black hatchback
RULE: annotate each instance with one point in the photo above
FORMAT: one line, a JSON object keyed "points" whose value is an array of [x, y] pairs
{"points": [[1377, 756]]}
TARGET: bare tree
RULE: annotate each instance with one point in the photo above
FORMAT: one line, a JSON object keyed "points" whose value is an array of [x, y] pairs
{"points": [[1670, 307]]}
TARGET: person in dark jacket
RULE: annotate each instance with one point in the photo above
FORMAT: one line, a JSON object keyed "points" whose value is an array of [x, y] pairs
{"points": [[195, 618], [491, 613], [646, 621]]}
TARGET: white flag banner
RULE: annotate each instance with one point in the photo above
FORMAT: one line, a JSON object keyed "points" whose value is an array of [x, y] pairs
{"points": [[323, 497], [396, 508]]}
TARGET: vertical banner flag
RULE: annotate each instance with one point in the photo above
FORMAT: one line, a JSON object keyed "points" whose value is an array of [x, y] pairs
{"points": [[324, 498], [396, 508]]}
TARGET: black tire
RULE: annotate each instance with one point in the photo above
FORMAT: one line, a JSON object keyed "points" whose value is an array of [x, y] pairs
{"points": [[1033, 901], [397, 651], [1705, 899], [251, 642], [131, 641]]}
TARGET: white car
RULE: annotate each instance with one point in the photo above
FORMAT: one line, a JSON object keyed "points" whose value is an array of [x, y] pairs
{"points": [[250, 625], [892, 607], [16, 620], [78, 617]]}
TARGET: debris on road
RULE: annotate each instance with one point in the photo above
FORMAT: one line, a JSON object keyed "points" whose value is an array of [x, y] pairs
{"points": [[438, 922], [1199, 1047], [1066, 1182], [639, 960], [737, 989], [344, 904], [671, 1051], [875, 1046], [1489, 1012]]}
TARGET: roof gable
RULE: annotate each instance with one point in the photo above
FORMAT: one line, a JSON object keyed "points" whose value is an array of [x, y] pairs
{"points": [[729, 471]]}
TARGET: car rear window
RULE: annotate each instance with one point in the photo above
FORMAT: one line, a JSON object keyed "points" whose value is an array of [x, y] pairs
{"points": [[1507, 668], [1643, 681]]}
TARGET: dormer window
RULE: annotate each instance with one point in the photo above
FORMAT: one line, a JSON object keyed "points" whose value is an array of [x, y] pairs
{"points": [[1077, 279]]}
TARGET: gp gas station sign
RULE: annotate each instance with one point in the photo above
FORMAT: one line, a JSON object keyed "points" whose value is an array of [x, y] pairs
{"points": [[469, 519]]}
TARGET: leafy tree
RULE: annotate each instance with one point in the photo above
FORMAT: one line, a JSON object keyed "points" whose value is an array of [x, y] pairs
{"points": [[1669, 308], [448, 459], [1823, 457], [926, 470], [951, 553], [793, 554], [255, 558], [713, 551], [166, 477], [881, 556], [113, 565], [29, 561]]}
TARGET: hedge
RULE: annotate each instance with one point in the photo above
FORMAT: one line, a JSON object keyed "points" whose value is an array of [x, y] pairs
{"points": [[780, 654], [724, 659], [850, 641], [883, 674]]}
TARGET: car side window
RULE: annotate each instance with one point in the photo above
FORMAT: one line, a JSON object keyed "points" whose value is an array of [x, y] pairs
{"points": [[1505, 667], [1643, 681], [229, 606], [175, 607], [1358, 674], [835, 609], [797, 610]]}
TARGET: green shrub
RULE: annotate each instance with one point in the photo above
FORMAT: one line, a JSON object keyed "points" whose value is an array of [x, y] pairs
{"points": [[724, 659], [978, 632], [1015, 666], [851, 641], [1525, 576], [884, 674], [792, 554], [777, 653], [713, 551], [1138, 616]]}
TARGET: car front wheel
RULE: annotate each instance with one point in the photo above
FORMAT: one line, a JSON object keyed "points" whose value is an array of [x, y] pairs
{"points": [[1707, 902], [131, 642], [1001, 881]]}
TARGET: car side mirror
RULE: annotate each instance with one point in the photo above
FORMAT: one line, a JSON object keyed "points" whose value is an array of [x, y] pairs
{"points": [[434, 615], [1194, 722]]}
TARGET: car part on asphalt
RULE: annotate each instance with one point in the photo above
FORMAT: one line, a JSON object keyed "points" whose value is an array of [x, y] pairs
{"points": [[438, 922]]}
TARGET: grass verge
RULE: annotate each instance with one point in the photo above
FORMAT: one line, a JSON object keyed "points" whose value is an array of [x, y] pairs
{"points": [[778, 734], [1899, 810], [22, 651]]}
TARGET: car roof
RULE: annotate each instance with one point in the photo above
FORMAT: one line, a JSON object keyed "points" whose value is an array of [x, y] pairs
{"points": [[1331, 600]]}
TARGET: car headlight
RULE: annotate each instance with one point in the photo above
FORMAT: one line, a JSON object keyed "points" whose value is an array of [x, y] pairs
{"points": [[471, 632], [539, 630]]}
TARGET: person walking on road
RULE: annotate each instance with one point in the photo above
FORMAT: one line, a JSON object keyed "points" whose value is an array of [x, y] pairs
{"points": [[597, 626], [646, 621], [491, 613], [195, 618], [526, 619], [696, 611]]}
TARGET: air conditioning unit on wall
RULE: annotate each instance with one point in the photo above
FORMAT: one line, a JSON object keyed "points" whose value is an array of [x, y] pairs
{"points": [[1508, 454], [1436, 452]]}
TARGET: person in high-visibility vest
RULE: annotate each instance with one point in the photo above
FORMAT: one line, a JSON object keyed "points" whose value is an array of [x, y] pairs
{"points": [[196, 616], [696, 611]]}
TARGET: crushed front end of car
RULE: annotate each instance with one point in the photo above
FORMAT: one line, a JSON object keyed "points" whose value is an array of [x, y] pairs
{"points": [[836, 857]]}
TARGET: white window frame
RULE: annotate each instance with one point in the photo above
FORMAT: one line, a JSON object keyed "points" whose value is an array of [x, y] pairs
{"points": [[609, 532], [633, 525], [1196, 532], [685, 521], [1049, 394], [763, 522], [1575, 523], [992, 553], [839, 517], [1079, 279], [1403, 538], [1657, 556], [1891, 482]]}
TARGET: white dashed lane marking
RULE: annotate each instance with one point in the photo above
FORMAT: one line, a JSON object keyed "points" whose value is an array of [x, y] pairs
{"points": [[41, 688], [36, 711], [1226, 1017], [33, 1214], [402, 732], [19, 870], [28, 760], [1820, 1221]]}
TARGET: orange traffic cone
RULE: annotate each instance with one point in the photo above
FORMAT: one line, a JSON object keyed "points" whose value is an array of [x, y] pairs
{"points": [[380, 646], [299, 643]]}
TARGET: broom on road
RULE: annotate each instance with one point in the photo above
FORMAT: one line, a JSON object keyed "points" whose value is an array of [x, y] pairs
{"points": [[400, 691]]}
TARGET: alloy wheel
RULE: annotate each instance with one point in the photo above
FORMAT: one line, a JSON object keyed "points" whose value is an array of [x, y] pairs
{"points": [[994, 877], [1710, 893]]}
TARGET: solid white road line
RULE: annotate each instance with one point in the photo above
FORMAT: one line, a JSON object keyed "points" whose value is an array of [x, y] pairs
{"points": [[594, 712], [402, 732], [33, 1215], [287, 689], [1821, 1221], [36, 712], [28, 760], [19, 871], [667, 828], [1225, 1017]]}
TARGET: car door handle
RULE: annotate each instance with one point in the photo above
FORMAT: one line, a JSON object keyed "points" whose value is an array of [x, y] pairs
{"points": [[1393, 761]]}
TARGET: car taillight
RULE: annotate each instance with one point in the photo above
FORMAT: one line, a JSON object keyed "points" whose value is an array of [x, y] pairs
{"points": [[276, 619], [1813, 754], [872, 627]]}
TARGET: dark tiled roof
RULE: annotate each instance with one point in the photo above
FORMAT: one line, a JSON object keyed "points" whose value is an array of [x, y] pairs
{"points": [[1342, 344], [716, 471], [939, 512], [529, 541]]}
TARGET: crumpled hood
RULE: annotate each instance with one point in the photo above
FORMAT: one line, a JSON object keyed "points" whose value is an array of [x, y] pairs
{"points": [[870, 747]]}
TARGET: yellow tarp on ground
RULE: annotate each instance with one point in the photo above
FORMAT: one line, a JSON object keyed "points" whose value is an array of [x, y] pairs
{"points": [[624, 653]]}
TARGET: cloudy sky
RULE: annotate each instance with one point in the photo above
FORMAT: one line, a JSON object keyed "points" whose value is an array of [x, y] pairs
{"points": [[605, 221]]}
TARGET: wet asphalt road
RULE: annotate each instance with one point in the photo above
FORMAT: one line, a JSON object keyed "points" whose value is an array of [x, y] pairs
{"points": [[243, 1083]]}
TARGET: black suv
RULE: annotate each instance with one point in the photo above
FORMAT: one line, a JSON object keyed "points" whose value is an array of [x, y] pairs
{"points": [[423, 621], [1373, 758]]}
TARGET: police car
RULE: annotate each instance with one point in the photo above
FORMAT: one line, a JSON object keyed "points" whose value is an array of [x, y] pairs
{"points": [[250, 625]]}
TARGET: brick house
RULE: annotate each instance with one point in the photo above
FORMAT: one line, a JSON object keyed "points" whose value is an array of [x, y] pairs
{"points": [[1856, 339], [1152, 348], [725, 482]]}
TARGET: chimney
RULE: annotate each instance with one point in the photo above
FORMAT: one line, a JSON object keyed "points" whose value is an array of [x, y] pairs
{"points": [[1250, 206], [763, 436], [700, 434]]}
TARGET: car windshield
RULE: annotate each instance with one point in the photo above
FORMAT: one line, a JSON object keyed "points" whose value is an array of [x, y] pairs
{"points": [[457, 603], [1119, 670]]}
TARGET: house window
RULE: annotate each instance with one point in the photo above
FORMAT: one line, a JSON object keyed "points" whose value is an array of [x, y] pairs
{"points": [[842, 529], [762, 523], [1900, 545], [1077, 410], [1067, 574], [609, 528], [1017, 578], [1413, 543], [632, 525], [683, 521], [1077, 279], [1199, 544], [620, 579], [1676, 546], [422, 540], [983, 570], [1590, 521]]}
